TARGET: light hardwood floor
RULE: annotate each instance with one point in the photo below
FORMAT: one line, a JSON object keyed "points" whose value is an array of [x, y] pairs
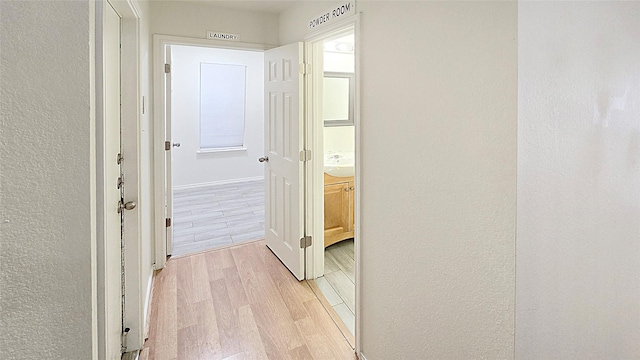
{"points": [[215, 216], [238, 303], [338, 283]]}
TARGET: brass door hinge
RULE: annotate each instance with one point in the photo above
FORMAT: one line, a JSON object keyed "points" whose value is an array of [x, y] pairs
{"points": [[305, 242], [305, 155], [167, 222]]}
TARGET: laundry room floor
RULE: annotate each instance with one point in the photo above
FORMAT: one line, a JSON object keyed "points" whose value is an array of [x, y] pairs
{"points": [[215, 216]]}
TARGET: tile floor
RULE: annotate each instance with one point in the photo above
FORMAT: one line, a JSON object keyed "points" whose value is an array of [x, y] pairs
{"points": [[211, 217], [338, 283]]}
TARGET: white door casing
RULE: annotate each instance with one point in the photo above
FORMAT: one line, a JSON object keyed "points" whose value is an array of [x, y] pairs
{"points": [[284, 141], [162, 122], [167, 157], [113, 219]]}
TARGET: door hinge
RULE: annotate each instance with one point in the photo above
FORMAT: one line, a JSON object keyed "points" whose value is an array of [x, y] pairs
{"points": [[123, 340], [167, 222], [167, 145], [305, 69], [305, 155], [119, 159], [305, 242], [167, 68]]}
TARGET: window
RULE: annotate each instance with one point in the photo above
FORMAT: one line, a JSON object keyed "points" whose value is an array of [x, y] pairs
{"points": [[222, 106]]}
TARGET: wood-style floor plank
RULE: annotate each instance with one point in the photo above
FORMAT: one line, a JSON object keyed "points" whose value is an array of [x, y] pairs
{"points": [[227, 318], [238, 303], [207, 331]]}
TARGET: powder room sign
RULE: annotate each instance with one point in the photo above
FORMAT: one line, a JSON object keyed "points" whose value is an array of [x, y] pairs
{"points": [[216, 35], [333, 14]]}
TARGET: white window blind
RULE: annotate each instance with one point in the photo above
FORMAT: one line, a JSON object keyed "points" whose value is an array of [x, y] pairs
{"points": [[222, 105]]}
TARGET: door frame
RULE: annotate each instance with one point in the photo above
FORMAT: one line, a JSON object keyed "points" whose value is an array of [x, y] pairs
{"points": [[315, 142], [162, 122], [129, 11]]}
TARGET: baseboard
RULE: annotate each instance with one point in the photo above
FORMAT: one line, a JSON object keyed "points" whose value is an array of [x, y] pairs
{"points": [[361, 357], [221, 182], [147, 305]]}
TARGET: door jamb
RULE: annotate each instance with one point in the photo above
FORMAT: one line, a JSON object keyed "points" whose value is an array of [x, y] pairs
{"points": [[161, 120], [314, 136], [129, 11]]}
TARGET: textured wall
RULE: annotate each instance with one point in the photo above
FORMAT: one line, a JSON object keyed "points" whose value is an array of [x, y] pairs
{"points": [[438, 182], [578, 181], [439, 102], [194, 18], [45, 231]]}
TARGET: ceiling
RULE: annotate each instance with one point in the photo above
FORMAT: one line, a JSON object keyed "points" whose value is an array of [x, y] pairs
{"points": [[263, 6]]}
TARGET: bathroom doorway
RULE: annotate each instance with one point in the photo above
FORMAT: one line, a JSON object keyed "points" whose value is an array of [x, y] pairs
{"points": [[335, 196]]}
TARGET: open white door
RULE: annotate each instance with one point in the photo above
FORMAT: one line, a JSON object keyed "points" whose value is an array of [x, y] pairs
{"points": [[284, 201]]}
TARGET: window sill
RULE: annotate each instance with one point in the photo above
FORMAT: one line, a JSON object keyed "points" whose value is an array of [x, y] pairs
{"points": [[220, 150]]}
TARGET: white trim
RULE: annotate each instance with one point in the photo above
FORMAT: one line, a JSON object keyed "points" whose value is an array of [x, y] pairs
{"points": [[214, 183], [147, 304], [129, 12], [187, 41], [358, 183], [130, 109], [160, 42], [220, 150], [361, 357]]}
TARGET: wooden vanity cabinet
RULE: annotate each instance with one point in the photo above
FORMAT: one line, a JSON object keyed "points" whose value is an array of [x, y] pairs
{"points": [[338, 208]]}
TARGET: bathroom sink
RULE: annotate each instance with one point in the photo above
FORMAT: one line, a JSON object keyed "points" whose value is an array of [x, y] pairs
{"points": [[340, 170], [339, 165]]}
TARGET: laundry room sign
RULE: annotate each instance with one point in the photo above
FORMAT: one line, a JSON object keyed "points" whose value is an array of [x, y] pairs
{"points": [[333, 14], [216, 35]]}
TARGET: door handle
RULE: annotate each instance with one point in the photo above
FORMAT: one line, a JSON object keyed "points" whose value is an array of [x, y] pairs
{"points": [[263, 159], [176, 144], [129, 205]]}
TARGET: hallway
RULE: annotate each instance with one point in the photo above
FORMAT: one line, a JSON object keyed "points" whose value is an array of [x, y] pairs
{"points": [[238, 303]]}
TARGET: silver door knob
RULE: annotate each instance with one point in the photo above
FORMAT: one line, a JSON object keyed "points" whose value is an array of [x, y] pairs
{"points": [[263, 159], [176, 144], [129, 205]]}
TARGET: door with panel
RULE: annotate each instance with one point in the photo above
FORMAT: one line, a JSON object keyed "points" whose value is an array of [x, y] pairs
{"points": [[284, 142]]}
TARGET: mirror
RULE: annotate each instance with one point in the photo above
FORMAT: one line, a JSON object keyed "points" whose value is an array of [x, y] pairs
{"points": [[338, 98]]}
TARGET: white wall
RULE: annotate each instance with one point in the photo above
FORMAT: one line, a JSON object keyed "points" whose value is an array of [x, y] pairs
{"points": [[194, 18], [578, 181], [45, 180], [438, 181], [145, 200], [190, 167], [339, 138], [339, 62]]}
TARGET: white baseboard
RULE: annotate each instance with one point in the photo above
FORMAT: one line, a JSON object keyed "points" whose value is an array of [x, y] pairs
{"points": [[361, 357], [212, 183], [147, 303]]}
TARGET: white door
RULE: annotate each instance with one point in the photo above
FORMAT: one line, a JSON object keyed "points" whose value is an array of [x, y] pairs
{"points": [[284, 201], [113, 310]]}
